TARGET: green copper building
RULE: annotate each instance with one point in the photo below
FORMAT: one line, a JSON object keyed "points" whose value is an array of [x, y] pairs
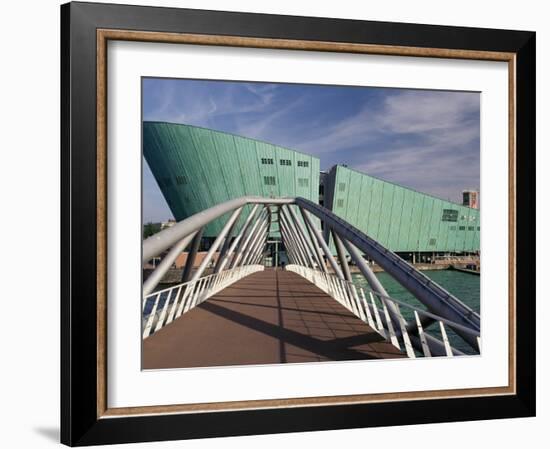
{"points": [[399, 218], [197, 168]]}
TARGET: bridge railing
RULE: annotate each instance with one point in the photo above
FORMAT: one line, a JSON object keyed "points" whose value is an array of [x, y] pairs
{"points": [[374, 308], [299, 225], [164, 306]]}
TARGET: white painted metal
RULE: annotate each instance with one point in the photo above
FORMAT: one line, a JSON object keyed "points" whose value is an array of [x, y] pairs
{"points": [[370, 322], [379, 324], [448, 349], [404, 334], [156, 244], [216, 244], [389, 324], [422, 336], [322, 243], [346, 294], [194, 293], [156, 276], [237, 239]]}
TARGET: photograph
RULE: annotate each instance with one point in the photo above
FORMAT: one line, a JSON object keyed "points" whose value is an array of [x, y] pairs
{"points": [[306, 223], [272, 223]]}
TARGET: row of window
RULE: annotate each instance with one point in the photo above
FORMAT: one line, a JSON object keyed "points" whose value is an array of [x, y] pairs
{"points": [[182, 180], [449, 215], [463, 228], [269, 180], [285, 162]]}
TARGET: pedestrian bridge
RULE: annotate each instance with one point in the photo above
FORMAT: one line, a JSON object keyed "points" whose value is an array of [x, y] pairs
{"points": [[237, 312]]}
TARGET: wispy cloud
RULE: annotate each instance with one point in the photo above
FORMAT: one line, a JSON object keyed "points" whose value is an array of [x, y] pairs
{"points": [[427, 140]]}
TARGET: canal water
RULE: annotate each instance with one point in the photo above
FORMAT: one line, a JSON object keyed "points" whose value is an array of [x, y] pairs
{"points": [[462, 285]]}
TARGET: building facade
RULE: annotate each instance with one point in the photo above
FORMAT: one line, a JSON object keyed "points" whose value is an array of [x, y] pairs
{"points": [[400, 218], [197, 168]]}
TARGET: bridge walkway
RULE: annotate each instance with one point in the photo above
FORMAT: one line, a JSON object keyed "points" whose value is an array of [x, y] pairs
{"points": [[273, 316]]}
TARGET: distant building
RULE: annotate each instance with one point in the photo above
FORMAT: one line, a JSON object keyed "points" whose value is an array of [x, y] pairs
{"points": [[470, 198]]}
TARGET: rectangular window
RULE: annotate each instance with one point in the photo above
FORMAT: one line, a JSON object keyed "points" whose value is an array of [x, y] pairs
{"points": [[285, 162], [180, 180], [269, 180], [449, 215], [462, 228], [478, 228], [267, 161], [303, 182], [340, 203], [471, 228], [432, 242], [303, 163], [342, 186]]}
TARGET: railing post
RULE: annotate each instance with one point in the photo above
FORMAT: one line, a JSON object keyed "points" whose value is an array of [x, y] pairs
{"points": [[367, 310], [425, 346]]}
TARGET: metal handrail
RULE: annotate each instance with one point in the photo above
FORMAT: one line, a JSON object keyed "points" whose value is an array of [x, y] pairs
{"points": [[353, 298], [306, 250], [181, 298]]}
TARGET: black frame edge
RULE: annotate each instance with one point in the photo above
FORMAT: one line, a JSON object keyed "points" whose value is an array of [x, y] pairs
{"points": [[526, 222], [65, 405]]}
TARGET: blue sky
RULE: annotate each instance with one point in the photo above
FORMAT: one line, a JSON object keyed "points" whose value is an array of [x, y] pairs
{"points": [[426, 140]]}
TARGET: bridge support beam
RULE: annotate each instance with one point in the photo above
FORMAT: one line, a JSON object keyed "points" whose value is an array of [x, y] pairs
{"points": [[322, 243], [291, 239], [306, 237], [290, 252], [262, 231], [216, 244], [342, 256], [192, 255], [237, 239], [156, 276], [255, 232], [241, 249], [226, 244], [299, 237]]}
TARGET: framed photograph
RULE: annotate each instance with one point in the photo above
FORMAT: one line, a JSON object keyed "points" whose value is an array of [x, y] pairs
{"points": [[282, 224]]}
